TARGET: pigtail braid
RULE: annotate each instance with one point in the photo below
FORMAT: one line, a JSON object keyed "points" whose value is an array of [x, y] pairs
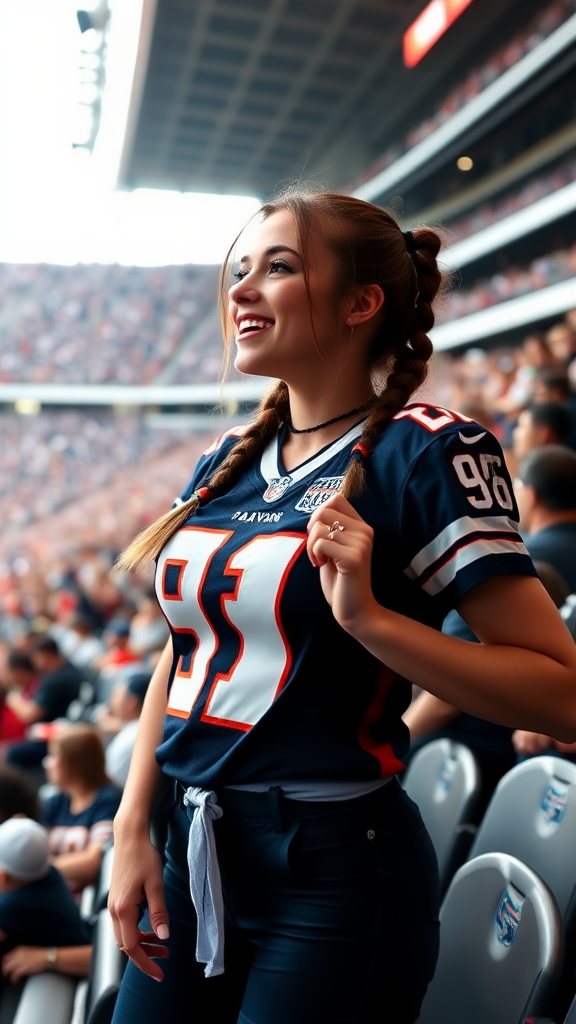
{"points": [[409, 357], [274, 409]]}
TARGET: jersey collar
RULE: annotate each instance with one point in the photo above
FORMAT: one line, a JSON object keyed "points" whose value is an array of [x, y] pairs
{"points": [[270, 469]]}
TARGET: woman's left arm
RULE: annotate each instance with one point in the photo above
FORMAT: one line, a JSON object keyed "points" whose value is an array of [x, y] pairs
{"points": [[523, 672]]}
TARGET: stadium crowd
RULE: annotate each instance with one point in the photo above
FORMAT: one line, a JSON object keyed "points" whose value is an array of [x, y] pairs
{"points": [[540, 27], [67, 324], [510, 282]]}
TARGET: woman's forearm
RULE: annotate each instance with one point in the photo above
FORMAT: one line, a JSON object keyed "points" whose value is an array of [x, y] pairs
{"points": [[144, 776], [530, 686]]}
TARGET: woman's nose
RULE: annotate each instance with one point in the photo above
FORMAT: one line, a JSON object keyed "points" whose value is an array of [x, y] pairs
{"points": [[244, 289]]}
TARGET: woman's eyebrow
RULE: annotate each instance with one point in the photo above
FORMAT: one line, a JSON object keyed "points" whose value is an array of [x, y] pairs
{"points": [[273, 251]]}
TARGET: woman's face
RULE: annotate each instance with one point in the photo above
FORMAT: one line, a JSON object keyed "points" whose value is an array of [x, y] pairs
{"points": [[275, 322], [55, 766]]}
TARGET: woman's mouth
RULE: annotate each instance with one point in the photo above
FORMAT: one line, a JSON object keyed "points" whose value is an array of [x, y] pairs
{"points": [[249, 326]]}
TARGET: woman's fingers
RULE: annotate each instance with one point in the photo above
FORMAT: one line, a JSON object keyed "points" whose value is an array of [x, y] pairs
{"points": [[143, 951], [337, 536]]}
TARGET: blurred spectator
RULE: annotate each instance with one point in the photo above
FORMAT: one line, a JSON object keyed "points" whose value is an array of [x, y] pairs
{"points": [[22, 677], [546, 494], [79, 817], [116, 638], [18, 798], [562, 341], [148, 628], [542, 423], [35, 905], [58, 687], [78, 641], [120, 721]]}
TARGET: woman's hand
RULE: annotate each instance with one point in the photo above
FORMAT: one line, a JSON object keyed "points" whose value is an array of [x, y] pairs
{"points": [[22, 961], [343, 556], [137, 879]]}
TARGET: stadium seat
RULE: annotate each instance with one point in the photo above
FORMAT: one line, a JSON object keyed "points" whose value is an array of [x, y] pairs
{"points": [[46, 999], [444, 780], [532, 816], [102, 887], [106, 972], [501, 946]]}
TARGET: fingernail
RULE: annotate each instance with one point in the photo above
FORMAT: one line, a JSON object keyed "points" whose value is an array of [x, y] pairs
{"points": [[162, 932]]}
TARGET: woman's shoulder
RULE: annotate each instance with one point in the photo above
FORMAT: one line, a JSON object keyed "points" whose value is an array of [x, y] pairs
{"points": [[212, 457]]}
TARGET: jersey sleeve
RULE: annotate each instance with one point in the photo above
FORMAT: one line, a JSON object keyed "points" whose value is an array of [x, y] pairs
{"points": [[458, 517]]}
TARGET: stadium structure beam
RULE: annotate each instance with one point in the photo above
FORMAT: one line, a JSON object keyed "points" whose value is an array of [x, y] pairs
{"points": [[542, 212], [132, 395], [491, 97], [525, 310]]}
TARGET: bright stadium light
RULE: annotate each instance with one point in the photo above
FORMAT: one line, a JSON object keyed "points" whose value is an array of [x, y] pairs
{"points": [[432, 23], [57, 203]]}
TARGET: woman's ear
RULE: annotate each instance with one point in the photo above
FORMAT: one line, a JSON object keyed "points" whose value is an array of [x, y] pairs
{"points": [[366, 302]]}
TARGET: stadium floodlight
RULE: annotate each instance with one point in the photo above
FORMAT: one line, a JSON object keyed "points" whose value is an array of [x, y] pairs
{"points": [[96, 18]]}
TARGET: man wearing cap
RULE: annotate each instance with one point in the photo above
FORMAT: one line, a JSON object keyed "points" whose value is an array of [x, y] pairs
{"points": [[36, 906], [120, 720]]}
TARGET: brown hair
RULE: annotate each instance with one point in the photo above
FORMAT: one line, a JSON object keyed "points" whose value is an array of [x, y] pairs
{"points": [[83, 754], [370, 248]]}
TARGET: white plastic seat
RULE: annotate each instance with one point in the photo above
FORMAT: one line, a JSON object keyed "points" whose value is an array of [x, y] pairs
{"points": [[443, 778], [501, 946]]}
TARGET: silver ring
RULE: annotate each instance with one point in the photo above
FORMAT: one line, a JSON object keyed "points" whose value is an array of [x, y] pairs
{"points": [[335, 528]]}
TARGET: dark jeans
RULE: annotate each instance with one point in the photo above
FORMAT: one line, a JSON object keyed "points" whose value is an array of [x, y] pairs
{"points": [[332, 916]]}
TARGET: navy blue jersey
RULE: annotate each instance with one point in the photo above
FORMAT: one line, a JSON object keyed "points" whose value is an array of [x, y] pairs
{"points": [[265, 685]]}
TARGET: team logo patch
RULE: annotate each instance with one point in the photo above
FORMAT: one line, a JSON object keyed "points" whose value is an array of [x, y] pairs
{"points": [[554, 801], [276, 488], [447, 773], [507, 919], [322, 489]]}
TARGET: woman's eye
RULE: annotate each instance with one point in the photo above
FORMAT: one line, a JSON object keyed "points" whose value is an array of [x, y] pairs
{"points": [[239, 274], [277, 265]]}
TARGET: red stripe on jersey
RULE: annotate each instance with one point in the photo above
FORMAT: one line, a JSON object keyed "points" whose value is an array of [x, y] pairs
{"points": [[389, 763]]}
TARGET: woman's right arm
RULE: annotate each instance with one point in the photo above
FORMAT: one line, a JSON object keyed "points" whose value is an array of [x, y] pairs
{"points": [[137, 871]]}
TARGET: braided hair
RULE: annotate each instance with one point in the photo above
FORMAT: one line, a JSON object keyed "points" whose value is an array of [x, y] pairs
{"points": [[370, 248]]}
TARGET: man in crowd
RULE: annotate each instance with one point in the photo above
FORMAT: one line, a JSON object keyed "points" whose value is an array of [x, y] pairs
{"points": [[540, 424], [120, 720], [58, 687]]}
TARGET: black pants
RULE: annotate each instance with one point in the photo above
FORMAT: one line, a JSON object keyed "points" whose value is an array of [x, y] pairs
{"points": [[332, 916]]}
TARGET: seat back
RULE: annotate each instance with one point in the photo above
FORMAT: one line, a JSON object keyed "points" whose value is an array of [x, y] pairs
{"points": [[104, 879], [501, 946], [532, 816], [444, 780], [46, 997], [106, 970]]}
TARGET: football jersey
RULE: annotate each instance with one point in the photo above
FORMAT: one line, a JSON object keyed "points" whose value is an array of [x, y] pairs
{"points": [[265, 685]]}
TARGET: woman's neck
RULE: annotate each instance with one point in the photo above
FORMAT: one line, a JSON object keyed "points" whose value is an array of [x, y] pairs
{"points": [[81, 796], [306, 413]]}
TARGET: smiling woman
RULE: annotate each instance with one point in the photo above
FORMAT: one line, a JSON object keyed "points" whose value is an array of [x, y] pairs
{"points": [[305, 572]]}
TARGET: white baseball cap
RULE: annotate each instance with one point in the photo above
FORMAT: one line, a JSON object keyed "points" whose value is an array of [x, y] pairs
{"points": [[23, 848]]}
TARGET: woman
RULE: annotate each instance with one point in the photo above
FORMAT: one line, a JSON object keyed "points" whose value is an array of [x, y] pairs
{"points": [[304, 575], [79, 817]]}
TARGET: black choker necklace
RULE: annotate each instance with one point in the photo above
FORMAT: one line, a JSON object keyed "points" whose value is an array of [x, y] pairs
{"points": [[328, 423]]}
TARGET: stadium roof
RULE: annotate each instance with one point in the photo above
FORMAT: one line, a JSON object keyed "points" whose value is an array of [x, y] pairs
{"points": [[232, 97]]}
